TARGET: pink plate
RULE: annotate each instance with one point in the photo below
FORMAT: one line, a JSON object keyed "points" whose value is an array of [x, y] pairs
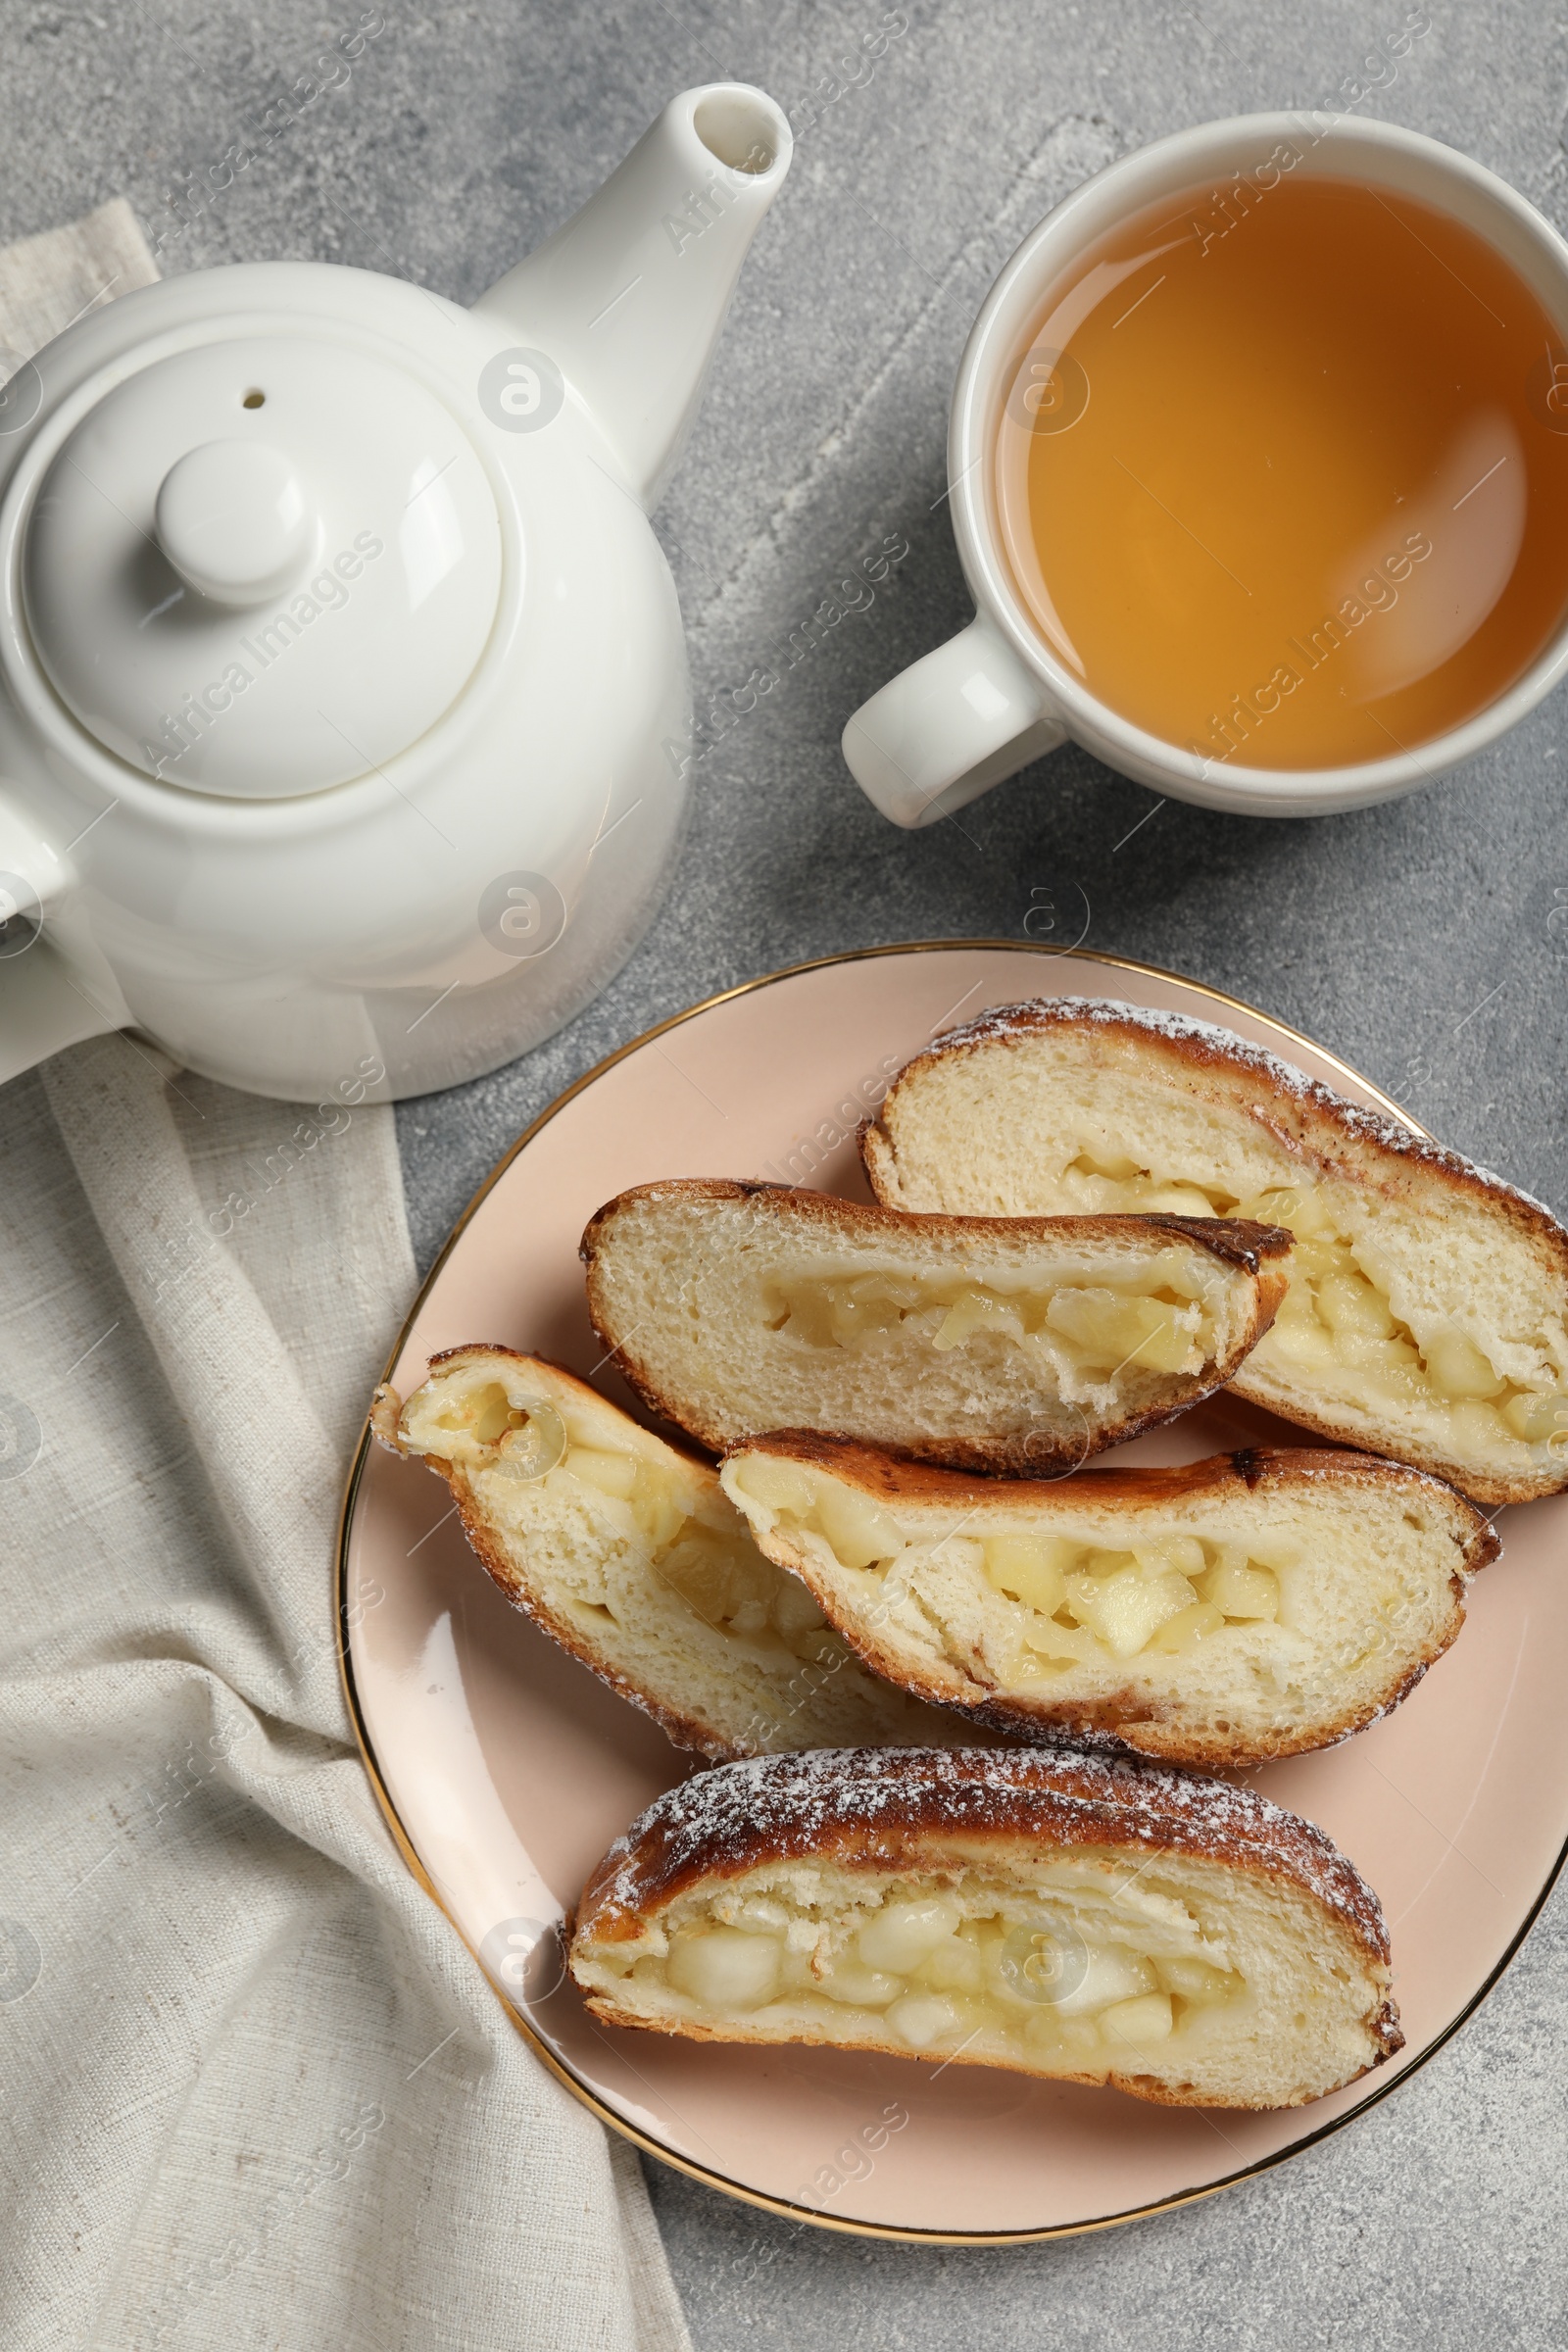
{"points": [[506, 1769]]}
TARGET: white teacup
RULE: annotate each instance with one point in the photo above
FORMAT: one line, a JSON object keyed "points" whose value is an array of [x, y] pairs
{"points": [[996, 696]]}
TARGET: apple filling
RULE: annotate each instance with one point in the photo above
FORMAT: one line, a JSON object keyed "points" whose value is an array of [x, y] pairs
{"points": [[1078, 1601], [687, 1529], [1092, 1972], [1086, 1602], [1158, 1313], [1336, 1317]]}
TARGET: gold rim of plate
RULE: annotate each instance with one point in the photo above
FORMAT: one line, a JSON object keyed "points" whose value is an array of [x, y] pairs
{"points": [[705, 2173]]}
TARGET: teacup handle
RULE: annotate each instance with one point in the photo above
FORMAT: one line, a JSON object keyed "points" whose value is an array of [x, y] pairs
{"points": [[949, 727]]}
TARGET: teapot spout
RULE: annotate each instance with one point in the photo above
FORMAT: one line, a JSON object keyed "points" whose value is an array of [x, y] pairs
{"points": [[629, 296]]}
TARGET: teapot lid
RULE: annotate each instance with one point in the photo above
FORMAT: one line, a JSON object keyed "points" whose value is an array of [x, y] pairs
{"points": [[262, 566]]}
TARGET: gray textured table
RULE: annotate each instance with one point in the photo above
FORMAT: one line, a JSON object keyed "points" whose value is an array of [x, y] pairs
{"points": [[1413, 940]]}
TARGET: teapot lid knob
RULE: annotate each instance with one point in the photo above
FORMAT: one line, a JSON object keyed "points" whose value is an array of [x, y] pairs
{"points": [[265, 564], [233, 520]]}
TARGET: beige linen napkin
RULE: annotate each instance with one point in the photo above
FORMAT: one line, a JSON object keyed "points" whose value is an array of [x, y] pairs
{"points": [[257, 2091]]}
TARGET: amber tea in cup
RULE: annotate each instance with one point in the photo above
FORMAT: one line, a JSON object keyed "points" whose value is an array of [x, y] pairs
{"points": [[1284, 479]]}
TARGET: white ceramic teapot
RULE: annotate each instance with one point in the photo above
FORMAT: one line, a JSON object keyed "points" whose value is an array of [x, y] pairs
{"points": [[343, 695]]}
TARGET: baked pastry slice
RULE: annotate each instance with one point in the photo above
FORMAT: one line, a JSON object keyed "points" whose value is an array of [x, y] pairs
{"points": [[1427, 1313], [1058, 1914], [629, 1554], [1004, 1345], [1254, 1605]]}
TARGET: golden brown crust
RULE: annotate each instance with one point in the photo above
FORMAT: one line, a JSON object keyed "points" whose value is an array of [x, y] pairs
{"points": [[923, 1809], [1236, 1241], [1313, 1123], [1130, 1718], [1261, 1251], [1302, 1111], [1153, 1486], [890, 1809]]}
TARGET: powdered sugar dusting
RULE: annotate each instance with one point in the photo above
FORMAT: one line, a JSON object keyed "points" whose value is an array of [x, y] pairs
{"points": [[1004, 1021], [789, 1807]]}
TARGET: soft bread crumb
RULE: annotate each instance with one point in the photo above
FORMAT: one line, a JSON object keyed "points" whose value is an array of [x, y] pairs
{"points": [[1427, 1314], [991, 1345], [1180, 1940], [1237, 1609], [629, 1554]]}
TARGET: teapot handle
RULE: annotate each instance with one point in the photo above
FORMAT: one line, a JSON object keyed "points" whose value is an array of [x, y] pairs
{"points": [[956, 722], [41, 1010]]}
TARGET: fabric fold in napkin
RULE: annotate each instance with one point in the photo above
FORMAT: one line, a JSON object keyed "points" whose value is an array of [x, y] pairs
{"points": [[258, 2091]]}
